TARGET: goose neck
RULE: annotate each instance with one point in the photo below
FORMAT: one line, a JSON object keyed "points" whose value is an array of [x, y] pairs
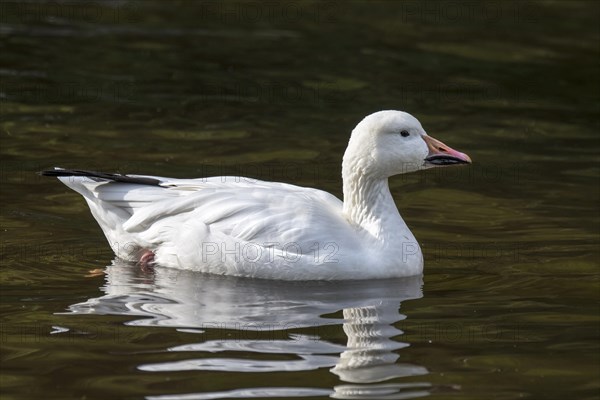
{"points": [[368, 202]]}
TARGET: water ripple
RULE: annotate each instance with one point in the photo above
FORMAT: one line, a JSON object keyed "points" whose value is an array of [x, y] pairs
{"points": [[256, 326]]}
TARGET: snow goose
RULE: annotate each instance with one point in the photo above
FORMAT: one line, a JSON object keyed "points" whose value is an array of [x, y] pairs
{"points": [[242, 227]]}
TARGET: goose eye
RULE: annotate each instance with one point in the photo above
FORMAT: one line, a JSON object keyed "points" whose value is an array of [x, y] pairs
{"points": [[405, 133]]}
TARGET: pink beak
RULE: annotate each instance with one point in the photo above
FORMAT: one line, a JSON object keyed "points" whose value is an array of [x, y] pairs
{"points": [[440, 154]]}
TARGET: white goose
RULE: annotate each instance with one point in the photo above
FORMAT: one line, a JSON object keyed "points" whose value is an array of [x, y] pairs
{"points": [[229, 226]]}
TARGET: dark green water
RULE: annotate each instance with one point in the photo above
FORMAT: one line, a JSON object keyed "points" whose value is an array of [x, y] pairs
{"points": [[508, 306]]}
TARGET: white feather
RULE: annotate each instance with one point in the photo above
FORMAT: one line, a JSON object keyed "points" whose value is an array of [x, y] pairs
{"points": [[243, 227]]}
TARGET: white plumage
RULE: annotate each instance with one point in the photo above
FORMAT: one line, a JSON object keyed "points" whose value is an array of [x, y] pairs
{"points": [[243, 227]]}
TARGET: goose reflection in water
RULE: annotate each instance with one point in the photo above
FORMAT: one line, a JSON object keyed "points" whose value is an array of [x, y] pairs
{"points": [[213, 306]]}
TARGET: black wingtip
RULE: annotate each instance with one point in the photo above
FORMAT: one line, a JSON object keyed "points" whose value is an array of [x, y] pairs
{"points": [[58, 172], [50, 172]]}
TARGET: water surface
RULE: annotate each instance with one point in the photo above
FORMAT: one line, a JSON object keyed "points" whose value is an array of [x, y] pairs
{"points": [[508, 304]]}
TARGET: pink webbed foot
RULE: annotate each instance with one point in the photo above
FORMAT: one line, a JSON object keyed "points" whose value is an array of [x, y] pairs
{"points": [[146, 261]]}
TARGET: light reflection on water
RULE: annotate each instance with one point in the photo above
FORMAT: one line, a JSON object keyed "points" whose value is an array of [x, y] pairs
{"points": [[229, 318]]}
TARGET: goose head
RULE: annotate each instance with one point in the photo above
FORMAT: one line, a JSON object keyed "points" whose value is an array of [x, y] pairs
{"points": [[388, 143]]}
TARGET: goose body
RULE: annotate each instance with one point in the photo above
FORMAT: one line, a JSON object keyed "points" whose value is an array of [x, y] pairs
{"points": [[245, 227]]}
